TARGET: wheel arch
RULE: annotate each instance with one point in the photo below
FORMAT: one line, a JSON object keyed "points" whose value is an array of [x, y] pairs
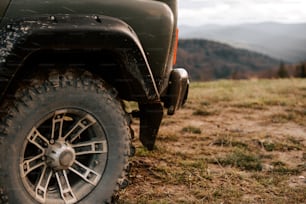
{"points": [[111, 68], [103, 45]]}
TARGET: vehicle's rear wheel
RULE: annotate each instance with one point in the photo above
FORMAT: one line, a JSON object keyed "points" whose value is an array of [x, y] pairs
{"points": [[64, 140]]}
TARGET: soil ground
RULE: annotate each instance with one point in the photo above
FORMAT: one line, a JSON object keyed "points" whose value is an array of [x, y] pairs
{"points": [[233, 142]]}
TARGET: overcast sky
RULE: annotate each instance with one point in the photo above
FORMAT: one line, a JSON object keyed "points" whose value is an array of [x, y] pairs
{"points": [[198, 12]]}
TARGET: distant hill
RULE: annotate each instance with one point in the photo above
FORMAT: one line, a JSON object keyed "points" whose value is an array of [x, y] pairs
{"points": [[282, 41], [208, 60]]}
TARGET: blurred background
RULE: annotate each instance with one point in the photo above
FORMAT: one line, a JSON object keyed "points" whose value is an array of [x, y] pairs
{"points": [[242, 39]]}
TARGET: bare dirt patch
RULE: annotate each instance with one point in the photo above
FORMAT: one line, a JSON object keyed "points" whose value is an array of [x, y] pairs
{"points": [[234, 142]]}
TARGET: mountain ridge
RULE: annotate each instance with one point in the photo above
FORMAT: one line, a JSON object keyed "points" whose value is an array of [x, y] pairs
{"points": [[279, 40], [209, 60]]}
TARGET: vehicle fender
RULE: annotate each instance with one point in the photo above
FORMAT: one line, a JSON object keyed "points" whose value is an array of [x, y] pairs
{"points": [[23, 37]]}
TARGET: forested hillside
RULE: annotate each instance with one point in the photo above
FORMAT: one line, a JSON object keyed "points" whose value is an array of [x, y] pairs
{"points": [[208, 60], [278, 40]]}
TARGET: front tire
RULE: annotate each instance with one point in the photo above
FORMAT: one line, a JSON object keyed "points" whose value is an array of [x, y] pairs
{"points": [[64, 140]]}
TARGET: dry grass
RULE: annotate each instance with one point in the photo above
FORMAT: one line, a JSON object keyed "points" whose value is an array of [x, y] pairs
{"points": [[234, 142]]}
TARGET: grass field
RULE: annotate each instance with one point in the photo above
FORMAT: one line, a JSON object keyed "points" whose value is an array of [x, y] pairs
{"points": [[234, 142]]}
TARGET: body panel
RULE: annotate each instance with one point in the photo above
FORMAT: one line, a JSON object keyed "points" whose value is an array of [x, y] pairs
{"points": [[153, 21]]}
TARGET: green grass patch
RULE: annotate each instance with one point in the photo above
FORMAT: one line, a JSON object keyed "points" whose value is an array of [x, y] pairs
{"points": [[281, 168], [168, 138], [282, 117], [230, 143], [192, 129], [250, 105], [288, 145], [242, 160], [201, 112], [143, 152], [267, 179], [304, 156]]}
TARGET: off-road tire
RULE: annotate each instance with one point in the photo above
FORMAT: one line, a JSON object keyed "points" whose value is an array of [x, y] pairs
{"points": [[79, 110]]}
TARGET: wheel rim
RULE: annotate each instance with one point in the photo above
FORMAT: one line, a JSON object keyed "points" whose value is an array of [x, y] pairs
{"points": [[63, 157]]}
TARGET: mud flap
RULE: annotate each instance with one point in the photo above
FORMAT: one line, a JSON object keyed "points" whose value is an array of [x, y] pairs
{"points": [[150, 119]]}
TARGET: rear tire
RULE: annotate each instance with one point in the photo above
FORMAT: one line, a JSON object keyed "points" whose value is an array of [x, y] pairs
{"points": [[64, 140]]}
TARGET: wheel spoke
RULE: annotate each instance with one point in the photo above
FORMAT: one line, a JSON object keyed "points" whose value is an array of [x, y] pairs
{"points": [[42, 186], [80, 127], [36, 138], [65, 188], [57, 124], [31, 164], [92, 147], [85, 173]]}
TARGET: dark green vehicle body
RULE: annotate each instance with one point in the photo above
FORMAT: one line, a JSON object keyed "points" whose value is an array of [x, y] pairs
{"points": [[137, 35], [130, 44]]}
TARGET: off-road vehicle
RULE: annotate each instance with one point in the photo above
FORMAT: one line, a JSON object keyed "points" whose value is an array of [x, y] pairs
{"points": [[67, 69]]}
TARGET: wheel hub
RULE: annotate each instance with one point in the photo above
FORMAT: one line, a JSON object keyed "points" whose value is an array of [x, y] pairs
{"points": [[60, 156]]}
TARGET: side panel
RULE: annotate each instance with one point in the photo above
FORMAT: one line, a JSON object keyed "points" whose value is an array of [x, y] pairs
{"points": [[153, 21]]}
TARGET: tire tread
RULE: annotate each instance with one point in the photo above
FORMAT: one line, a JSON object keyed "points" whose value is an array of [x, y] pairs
{"points": [[79, 79]]}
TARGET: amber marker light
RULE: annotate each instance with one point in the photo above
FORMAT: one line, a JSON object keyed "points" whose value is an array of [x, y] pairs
{"points": [[175, 46]]}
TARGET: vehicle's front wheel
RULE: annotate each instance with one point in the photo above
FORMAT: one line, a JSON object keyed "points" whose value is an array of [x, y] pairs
{"points": [[64, 140]]}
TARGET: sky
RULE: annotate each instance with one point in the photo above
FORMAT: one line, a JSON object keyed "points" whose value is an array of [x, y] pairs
{"points": [[229, 12]]}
